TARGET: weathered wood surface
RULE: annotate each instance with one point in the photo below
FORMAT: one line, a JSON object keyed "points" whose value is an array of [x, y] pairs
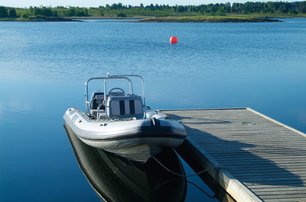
{"points": [[256, 156]]}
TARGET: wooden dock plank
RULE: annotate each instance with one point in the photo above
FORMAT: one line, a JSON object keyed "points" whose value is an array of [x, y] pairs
{"points": [[253, 157]]}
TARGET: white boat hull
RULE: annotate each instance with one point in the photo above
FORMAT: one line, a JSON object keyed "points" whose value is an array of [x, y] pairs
{"points": [[128, 136]]}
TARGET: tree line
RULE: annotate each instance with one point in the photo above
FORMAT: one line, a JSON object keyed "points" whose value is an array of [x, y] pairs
{"points": [[120, 10]]}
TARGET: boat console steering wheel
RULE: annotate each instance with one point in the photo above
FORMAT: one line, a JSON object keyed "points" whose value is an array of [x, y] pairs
{"points": [[117, 91]]}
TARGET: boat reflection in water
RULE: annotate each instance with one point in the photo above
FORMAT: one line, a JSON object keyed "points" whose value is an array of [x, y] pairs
{"points": [[115, 178]]}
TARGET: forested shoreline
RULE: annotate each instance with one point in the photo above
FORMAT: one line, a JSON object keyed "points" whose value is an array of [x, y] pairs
{"points": [[274, 9]]}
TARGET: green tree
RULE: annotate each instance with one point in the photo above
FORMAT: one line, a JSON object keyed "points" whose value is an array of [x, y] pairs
{"points": [[221, 11], [12, 13], [122, 15], [3, 11], [118, 9]]}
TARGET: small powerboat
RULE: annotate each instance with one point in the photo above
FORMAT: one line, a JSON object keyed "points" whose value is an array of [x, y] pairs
{"points": [[121, 123]]}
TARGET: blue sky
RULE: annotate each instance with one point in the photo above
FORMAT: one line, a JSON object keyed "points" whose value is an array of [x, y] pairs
{"points": [[95, 3]]}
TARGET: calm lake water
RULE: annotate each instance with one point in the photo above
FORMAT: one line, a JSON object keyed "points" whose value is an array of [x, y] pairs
{"points": [[43, 67]]}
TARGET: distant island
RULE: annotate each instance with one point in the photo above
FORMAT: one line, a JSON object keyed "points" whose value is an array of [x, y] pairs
{"points": [[218, 12]]}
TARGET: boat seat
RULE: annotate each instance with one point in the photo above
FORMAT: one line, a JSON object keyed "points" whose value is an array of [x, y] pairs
{"points": [[127, 106], [97, 99]]}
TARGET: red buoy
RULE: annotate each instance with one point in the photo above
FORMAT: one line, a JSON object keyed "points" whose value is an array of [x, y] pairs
{"points": [[173, 40]]}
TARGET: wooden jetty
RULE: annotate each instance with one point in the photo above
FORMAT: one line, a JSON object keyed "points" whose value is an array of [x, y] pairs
{"points": [[251, 156]]}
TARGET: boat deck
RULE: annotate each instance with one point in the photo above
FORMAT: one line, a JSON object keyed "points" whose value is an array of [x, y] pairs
{"points": [[251, 156]]}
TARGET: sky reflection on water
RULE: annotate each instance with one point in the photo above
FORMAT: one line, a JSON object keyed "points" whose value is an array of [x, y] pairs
{"points": [[43, 67]]}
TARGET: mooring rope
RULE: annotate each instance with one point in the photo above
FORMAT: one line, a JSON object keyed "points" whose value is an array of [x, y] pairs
{"points": [[186, 176], [189, 182], [178, 174]]}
